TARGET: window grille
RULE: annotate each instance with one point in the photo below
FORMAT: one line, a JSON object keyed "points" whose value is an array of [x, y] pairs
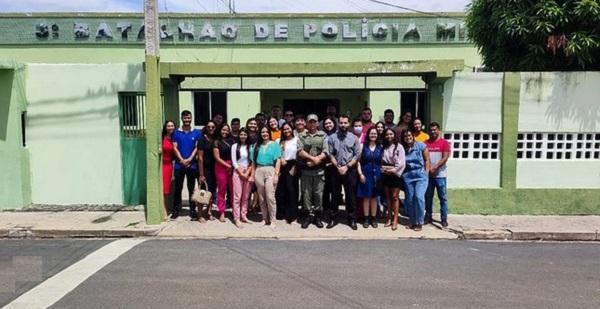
{"points": [[558, 146], [474, 145]]}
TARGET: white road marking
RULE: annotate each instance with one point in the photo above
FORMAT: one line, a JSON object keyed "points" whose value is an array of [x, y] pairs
{"points": [[56, 287]]}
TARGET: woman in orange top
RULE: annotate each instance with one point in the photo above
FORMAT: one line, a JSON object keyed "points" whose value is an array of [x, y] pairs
{"points": [[419, 134], [168, 155], [274, 128]]}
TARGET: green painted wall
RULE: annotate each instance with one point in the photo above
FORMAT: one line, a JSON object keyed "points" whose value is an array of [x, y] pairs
{"points": [[566, 102], [560, 102], [74, 132], [15, 183], [185, 103], [379, 101], [242, 104], [242, 54], [473, 102]]}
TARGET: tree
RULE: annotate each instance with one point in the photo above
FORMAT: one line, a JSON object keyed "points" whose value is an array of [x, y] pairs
{"points": [[536, 35]]}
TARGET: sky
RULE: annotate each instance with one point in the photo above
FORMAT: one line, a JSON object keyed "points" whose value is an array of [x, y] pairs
{"points": [[241, 6]]}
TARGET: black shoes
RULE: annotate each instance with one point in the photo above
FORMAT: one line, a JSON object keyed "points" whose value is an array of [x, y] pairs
{"points": [[444, 223], [332, 223], [370, 220], [374, 222], [316, 219], [174, 215], [352, 224], [193, 215], [366, 222], [306, 222]]}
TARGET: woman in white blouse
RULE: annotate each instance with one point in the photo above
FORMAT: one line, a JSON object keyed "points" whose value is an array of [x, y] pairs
{"points": [[287, 190], [393, 163], [241, 177]]}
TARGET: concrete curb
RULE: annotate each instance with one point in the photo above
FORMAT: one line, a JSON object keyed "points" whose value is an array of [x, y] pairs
{"points": [[528, 235], [20, 233], [302, 238], [503, 234]]}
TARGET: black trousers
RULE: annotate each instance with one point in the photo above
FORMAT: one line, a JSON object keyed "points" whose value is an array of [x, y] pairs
{"points": [[211, 180], [347, 181], [286, 195], [190, 175], [328, 190]]}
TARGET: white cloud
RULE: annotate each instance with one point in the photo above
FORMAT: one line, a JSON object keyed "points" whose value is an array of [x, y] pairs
{"points": [[242, 6], [66, 6]]}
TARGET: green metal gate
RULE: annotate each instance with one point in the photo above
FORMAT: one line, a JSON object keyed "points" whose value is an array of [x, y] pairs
{"points": [[132, 107]]}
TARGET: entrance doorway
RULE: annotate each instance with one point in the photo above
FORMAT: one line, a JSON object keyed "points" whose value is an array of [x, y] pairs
{"points": [[413, 102], [310, 106]]}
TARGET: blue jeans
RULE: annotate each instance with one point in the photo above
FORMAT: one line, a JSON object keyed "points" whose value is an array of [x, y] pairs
{"points": [[438, 184], [414, 201]]}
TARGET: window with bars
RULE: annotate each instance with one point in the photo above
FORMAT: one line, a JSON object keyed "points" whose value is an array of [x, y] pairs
{"points": [[558, 146], [207, 104], [474, 145], [132, 113]]}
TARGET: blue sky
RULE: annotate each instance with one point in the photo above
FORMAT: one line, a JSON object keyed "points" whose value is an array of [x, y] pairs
{"points": [[242, 6]]}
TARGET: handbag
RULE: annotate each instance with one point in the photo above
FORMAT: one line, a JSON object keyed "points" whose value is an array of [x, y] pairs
{"points": [[202, 196]]}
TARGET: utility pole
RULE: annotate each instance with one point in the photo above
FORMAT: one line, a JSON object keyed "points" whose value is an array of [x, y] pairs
{"points": [[154, 195]]}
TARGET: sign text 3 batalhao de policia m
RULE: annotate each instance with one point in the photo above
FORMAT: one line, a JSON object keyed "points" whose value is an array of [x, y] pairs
{"points": [[392, 30]]}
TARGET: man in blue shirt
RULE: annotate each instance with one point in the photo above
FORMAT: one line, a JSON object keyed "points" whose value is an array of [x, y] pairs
{"points": [[185, 141]]}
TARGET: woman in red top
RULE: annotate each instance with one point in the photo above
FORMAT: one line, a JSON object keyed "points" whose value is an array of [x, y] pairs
{"points": [[168, 155]]}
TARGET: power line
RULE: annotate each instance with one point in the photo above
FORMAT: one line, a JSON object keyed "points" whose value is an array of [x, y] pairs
{"points": [[409, 9], [202, 6], [356, 6]]}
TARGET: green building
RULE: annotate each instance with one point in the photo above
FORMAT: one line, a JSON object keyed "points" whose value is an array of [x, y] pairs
{"points": [[73, 120]]}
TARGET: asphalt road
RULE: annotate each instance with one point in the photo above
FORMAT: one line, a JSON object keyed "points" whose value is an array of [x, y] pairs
{"points": [[26, 263], [344, 274]]}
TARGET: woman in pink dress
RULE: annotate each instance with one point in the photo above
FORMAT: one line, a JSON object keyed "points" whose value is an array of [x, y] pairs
{"points": [[168, 155]]}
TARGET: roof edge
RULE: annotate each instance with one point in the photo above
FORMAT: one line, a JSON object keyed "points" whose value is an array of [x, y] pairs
{"points": [[241, 15]]}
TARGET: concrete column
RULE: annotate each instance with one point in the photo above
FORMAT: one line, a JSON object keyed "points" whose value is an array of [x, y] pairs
{"points": [[154, 195], [511, 89], [435, 102], [171, 101]]}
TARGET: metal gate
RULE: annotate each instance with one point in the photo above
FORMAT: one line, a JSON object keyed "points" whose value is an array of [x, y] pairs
{"points": [[132, 111]]}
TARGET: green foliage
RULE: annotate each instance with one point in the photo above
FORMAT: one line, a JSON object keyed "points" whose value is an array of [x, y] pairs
{"points": [[536, 35]]}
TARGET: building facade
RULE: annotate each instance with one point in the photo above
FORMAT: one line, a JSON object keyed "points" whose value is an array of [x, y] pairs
{"points": [[73, 118]]}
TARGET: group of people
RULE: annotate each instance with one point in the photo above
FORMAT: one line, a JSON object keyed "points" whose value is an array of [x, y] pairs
{"points": [[286, 161]]}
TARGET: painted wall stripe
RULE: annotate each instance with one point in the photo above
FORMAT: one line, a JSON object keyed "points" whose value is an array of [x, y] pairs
{"points": [[56, 287]]}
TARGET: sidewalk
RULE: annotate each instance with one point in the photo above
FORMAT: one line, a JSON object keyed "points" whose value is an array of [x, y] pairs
{"points": [[94, 224], [105, 224]]}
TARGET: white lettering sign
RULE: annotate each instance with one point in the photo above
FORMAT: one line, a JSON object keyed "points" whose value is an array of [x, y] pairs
{"points": [[281, 31]]}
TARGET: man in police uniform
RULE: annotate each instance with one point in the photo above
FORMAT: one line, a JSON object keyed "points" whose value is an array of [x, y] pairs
{"points": [[312, 152]]}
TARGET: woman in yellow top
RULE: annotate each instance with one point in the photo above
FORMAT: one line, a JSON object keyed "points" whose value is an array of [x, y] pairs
{"points": [[419, 134], [273, 125]]}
